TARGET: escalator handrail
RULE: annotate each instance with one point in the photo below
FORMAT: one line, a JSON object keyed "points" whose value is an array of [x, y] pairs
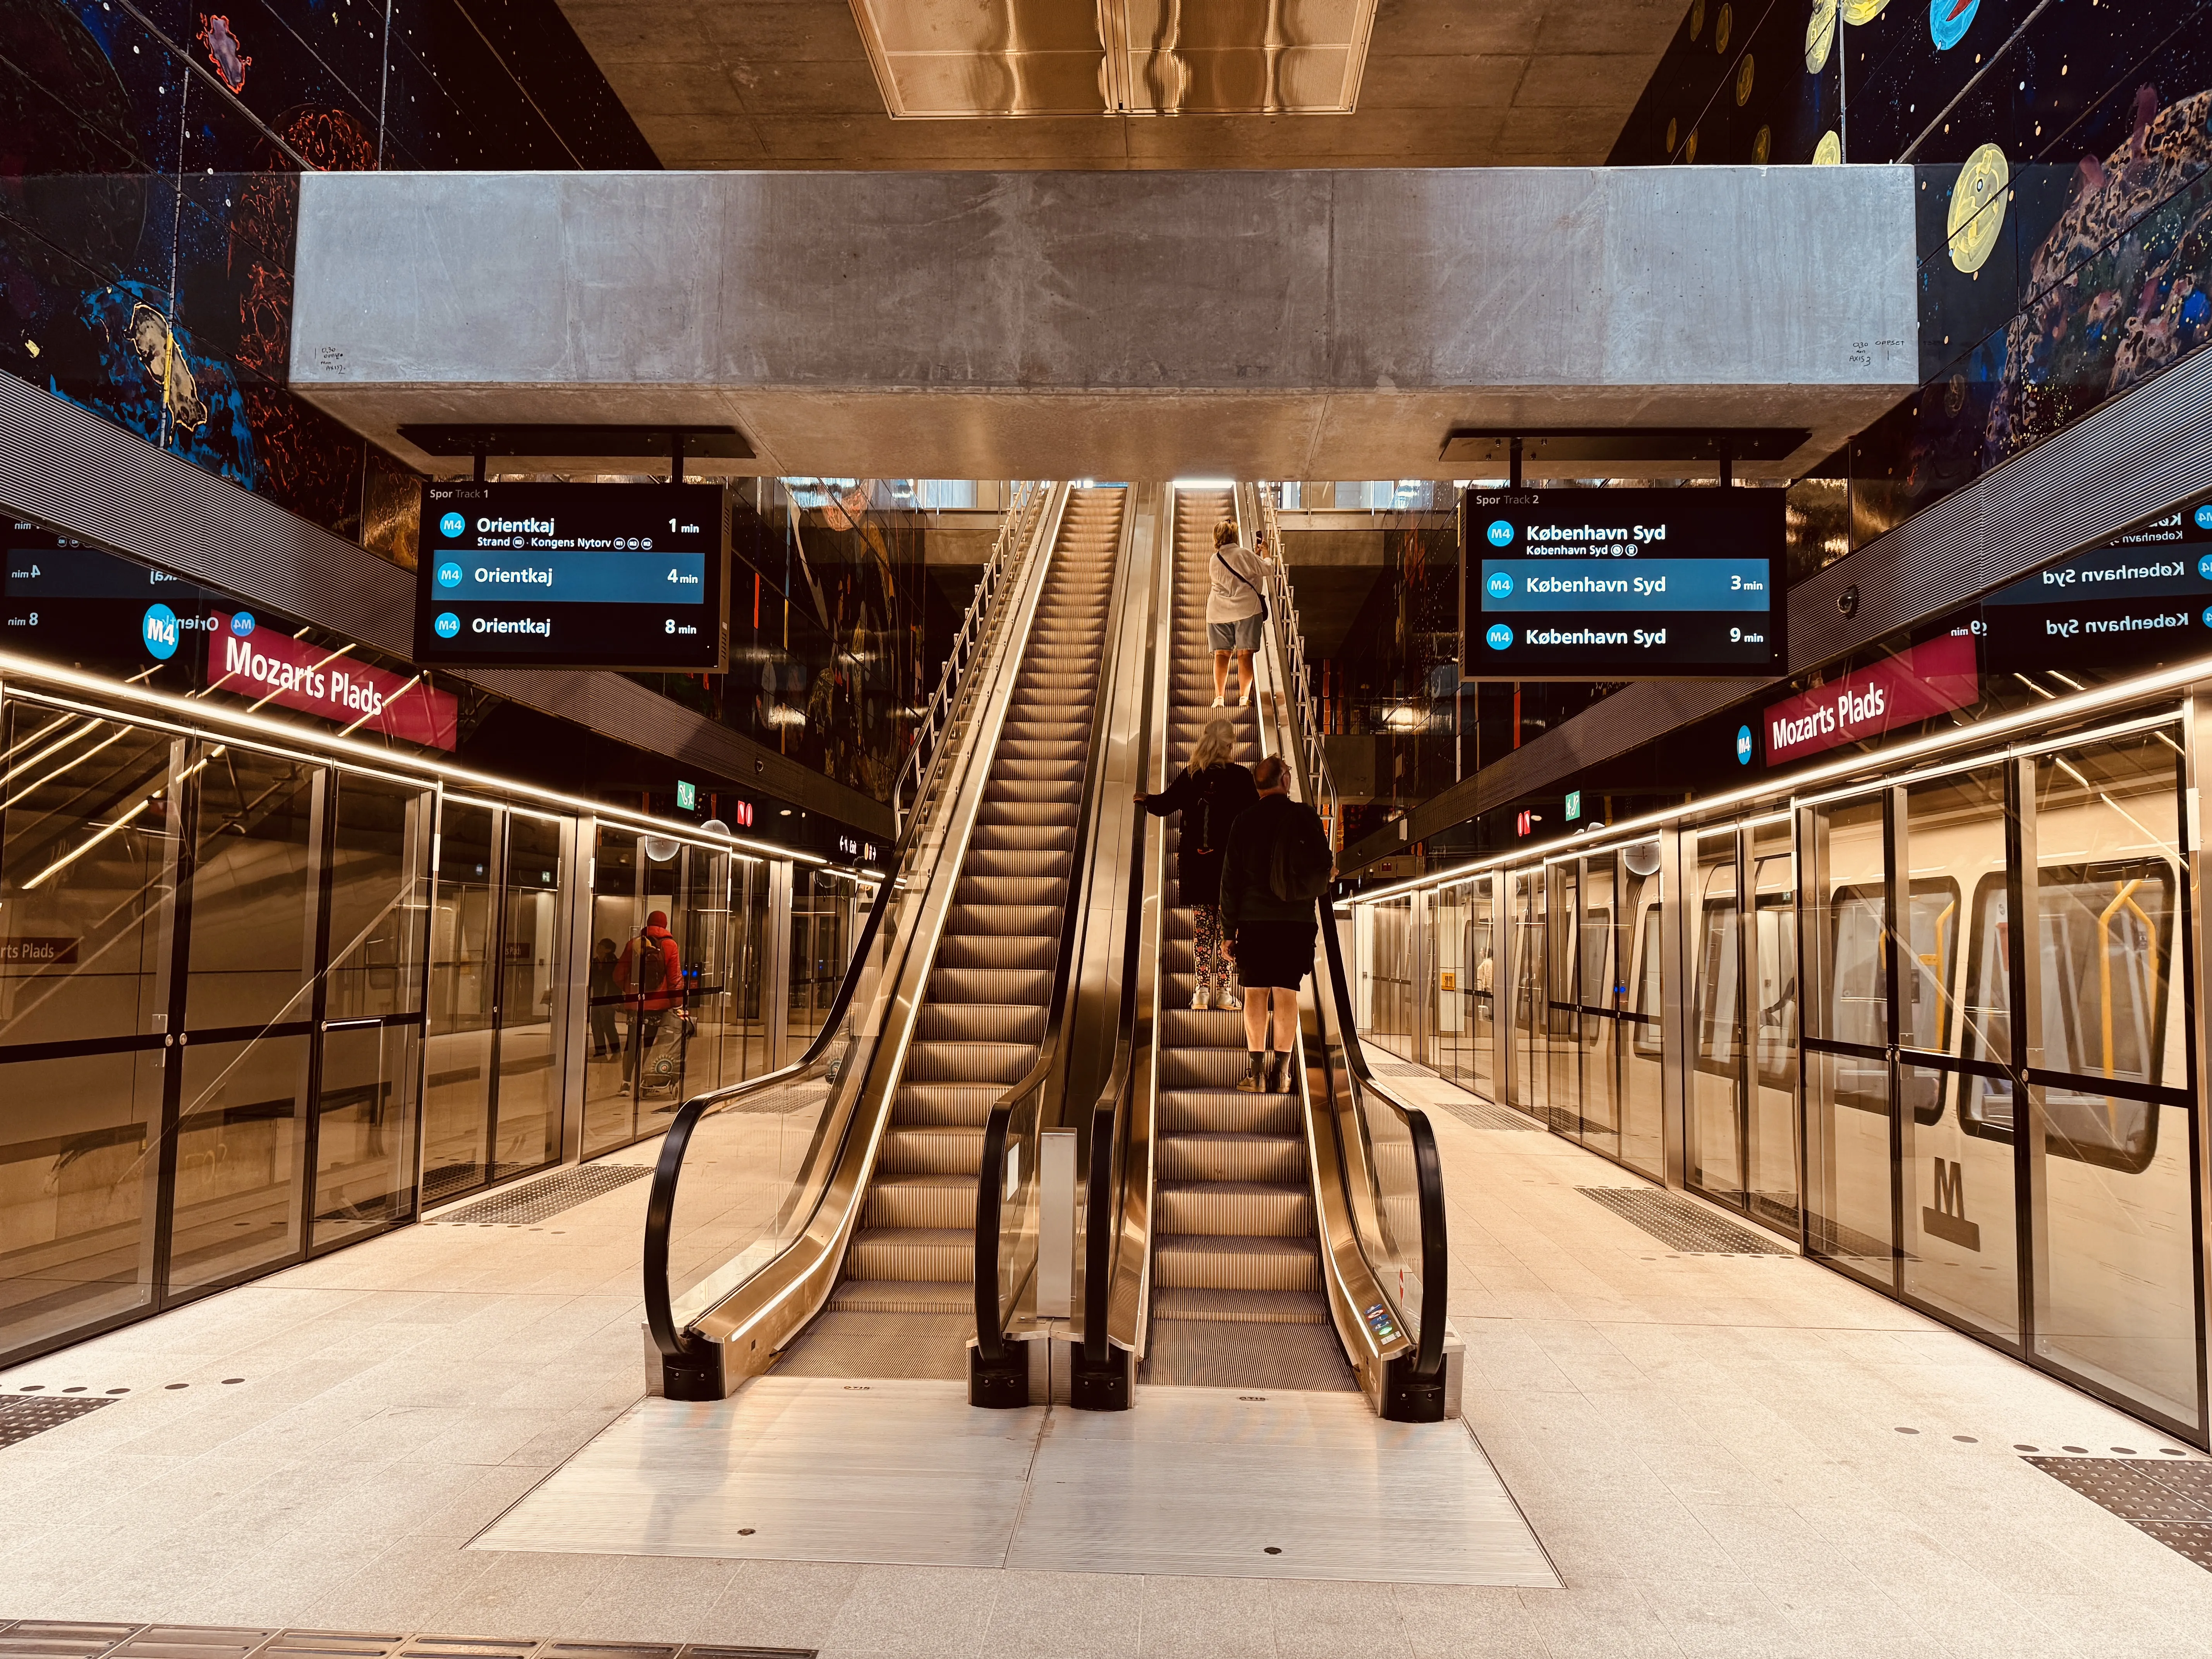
{"points": [[1310, 758], [990, 1185], [668, 1168]]}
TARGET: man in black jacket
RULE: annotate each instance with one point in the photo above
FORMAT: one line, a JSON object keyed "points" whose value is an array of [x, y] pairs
{"points": [[1272, 935]]}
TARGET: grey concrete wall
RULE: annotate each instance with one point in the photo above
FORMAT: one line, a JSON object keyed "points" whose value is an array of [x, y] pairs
{"points": [[1280, 324]]}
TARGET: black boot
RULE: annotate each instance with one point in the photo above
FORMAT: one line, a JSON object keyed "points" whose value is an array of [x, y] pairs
{"points": [[1249, 1083], [1275, 1065]]}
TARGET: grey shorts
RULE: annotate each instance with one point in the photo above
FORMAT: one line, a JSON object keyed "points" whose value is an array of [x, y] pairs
{"points": [[1242, 634]]}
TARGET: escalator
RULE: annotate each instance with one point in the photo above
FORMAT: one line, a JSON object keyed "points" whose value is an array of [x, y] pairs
{"points": [[1014, 1151], [1238, 1240], [905, 1305], [1237, 1297], [827, 1223]]}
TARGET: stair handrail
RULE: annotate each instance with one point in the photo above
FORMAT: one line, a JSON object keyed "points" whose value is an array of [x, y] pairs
{"points": [[991, 1305], [668, 1168], [1310, 758]]}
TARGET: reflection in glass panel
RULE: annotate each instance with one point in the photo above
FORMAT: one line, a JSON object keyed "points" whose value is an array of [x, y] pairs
{"points": [[1531, 1004], [365, 1130], [1562, 1020], [1712, 1160], [87, 845], [1597, 937], [77, 1175], [1479, 957], [744, 1050], [1451, 990], [708, 939], [1770, 1155], [456, 1061], [380, 849], [528, 1105], [1390, 983], [2113, 1223], [617, 919], [821, 926], [253, 910], [1642, 1143], [1847, 1104], [239, 1154]]}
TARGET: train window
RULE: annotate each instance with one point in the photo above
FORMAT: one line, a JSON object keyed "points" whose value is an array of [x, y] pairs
{"points": [[1985, 1104], [1597, 953], [1716, 987], [2105, 934], [1649, 989], [2107, 938], [1775, 996]]}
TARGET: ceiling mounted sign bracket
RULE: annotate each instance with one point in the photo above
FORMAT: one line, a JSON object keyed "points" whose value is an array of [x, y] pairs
{"points": [[1590, 452], [677, 445]]}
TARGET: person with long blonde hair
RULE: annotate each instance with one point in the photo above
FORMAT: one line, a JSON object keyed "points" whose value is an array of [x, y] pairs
{"points": [[1210, 792]]}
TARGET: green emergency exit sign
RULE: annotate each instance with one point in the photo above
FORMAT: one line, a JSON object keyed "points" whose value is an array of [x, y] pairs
{"points": [[687, 797], [1574, 804]]}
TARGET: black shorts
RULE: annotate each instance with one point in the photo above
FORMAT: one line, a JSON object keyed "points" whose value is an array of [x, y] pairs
{"points": [[1275, 955]]}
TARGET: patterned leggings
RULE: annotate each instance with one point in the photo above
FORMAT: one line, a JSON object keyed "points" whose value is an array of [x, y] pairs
{"points": [[1212, 963]]}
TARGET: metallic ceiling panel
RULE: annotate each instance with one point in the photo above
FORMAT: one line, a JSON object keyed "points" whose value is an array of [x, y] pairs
{"points": [[940, 84], [936, 59]]}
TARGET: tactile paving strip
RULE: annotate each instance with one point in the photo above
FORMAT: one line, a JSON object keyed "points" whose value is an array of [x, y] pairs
{"points": [[22, 1416], [540, 1199], [1480, 1115], [50, 1639], [1681, 1225], [2172, 1502]]}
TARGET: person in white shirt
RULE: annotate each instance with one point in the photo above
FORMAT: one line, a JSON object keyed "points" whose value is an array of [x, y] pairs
{"points": [[1233, 605]]}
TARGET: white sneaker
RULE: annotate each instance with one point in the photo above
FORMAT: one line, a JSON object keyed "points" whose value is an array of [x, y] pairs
{"points": [[1245, 701], [1198, 998], [1216, 703], [1229, 1001]]}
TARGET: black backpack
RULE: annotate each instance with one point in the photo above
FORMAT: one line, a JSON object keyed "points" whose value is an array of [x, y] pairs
{"points": [[1198, 822], [1298, 867], [652, 965]]}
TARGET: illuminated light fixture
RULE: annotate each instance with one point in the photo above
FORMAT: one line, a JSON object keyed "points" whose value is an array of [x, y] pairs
{"points": [[40, 680]]}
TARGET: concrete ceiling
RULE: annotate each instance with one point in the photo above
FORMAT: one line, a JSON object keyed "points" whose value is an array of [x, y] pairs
{"points": [[1448, 83]]}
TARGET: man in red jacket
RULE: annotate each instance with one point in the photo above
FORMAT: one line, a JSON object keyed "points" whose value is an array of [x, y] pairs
{"points": [[650, 977]]}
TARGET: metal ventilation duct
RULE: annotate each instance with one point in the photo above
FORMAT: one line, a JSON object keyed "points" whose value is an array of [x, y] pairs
{"points": [[948, 59]]}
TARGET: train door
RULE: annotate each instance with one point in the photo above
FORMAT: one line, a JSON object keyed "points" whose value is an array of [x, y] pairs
{"points": [[1770, 1016], [1849, 1038], [1526, 1076], [1959, 1245], [1562, 1005], [1643, 1111], [1712, 1159], [1597, 998], [2110, 1129], [1479, 965]]}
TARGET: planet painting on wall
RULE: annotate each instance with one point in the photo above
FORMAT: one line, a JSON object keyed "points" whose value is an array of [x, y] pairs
{"points": [[1978, 207], [1820, 35], [1859, 13], [1949, 19]]}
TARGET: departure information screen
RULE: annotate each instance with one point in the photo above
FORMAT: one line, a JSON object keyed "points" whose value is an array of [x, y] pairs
{"points": [[2144, 598], [571, 575], [1623, 584]]}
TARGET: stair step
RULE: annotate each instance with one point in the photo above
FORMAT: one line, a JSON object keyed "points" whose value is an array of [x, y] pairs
{"points": [[1239, 1307], [1203, 1262]]}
